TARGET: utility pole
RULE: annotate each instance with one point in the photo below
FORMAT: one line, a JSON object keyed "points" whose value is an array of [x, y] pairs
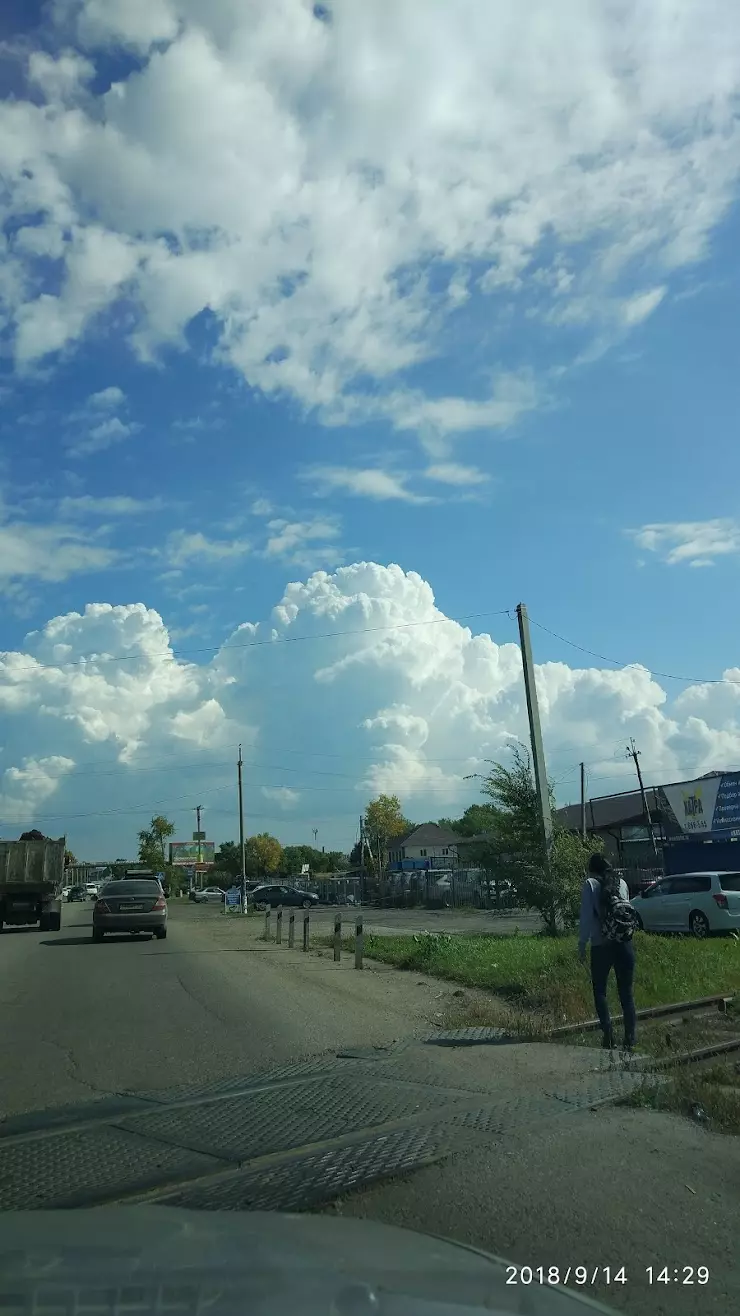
{"points": [[315, 835], [363, 878], [198, 808], [535, 731], [634, 754], [241, 834], [583, 800]]}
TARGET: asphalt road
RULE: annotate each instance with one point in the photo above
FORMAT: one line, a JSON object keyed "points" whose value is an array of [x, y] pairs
{"points": [[79, 1020]]}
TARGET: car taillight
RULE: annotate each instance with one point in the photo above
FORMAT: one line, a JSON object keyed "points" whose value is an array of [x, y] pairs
{"points": [[102, 906], [720, 899], [160, 904]]}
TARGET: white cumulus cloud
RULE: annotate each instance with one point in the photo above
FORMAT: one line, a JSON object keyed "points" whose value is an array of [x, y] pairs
{"points": [[356, 683], [417, 167]]}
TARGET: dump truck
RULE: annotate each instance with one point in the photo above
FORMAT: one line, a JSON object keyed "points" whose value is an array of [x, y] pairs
{"points": [[31, 880]]}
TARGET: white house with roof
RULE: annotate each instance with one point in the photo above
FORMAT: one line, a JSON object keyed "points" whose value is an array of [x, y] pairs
{"points": [[426, 846]]}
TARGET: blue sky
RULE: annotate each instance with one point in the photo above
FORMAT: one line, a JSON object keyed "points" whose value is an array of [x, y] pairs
{"points": [[431, 313]]}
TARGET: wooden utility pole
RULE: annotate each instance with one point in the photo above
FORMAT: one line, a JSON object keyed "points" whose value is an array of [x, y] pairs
{"points": [[535, 731], [634, 754], [241, 834], [583, 800]]}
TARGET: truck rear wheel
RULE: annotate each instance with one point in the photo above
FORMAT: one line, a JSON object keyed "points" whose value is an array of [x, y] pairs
{"points": [[55, 922], [45, 923]]}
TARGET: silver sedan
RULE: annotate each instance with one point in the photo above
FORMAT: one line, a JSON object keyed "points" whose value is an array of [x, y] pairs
{"points": [[210, 895]]}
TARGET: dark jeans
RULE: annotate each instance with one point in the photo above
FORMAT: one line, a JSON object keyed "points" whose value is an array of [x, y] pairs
{"points": [[620, 956]]}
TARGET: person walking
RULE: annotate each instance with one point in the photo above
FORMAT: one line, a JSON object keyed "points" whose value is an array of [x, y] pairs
{"points": [[608, 922]]}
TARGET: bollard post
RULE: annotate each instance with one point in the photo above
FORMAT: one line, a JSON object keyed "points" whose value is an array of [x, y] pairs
{"points": [[291, 930], [279, 927], [306, 920], [337, 938], [267, 923], [359, 942]]}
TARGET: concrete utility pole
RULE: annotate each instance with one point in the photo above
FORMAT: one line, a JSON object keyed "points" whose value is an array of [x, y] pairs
{"points": [[535, 731], [363, 878], [315, 836], [241, 834], [198, 808], [583, 800], [634, 754]]}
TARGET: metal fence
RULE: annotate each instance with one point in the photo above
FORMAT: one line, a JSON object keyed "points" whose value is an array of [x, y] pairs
{"points": [[448, 889], [638, 878]]}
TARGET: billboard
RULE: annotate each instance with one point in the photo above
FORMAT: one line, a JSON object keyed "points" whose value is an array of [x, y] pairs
{"points": [[192, 852], [708, 807]]}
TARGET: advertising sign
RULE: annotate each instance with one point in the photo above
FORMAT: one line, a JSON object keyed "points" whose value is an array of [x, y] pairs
{"points": [[192, 852], [708, 807], [233, 898]]}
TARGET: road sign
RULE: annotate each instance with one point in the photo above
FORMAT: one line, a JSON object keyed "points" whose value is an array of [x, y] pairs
{"points": [[199, 836]]}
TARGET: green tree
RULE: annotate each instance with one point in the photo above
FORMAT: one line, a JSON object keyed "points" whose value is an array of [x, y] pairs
{"points": [[384, 821], [69, 859], [153, 842], [553, 889], [263, 855], [319, 861], [477, 820], [228, 858]]}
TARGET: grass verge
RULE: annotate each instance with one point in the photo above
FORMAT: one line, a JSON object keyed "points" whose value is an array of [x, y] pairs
{"points": [[544, 975], [709, 1096]]}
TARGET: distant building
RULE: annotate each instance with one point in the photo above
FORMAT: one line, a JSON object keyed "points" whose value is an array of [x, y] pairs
{"points": [[696, 824], [425, 847]]}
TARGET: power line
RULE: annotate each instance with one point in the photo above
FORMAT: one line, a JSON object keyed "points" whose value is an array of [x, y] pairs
{"points": [[134, 808], [257, 644], [616, 662]]}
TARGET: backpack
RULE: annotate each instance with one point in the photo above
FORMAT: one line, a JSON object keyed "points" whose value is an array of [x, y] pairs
{"points": [[617, 919]]}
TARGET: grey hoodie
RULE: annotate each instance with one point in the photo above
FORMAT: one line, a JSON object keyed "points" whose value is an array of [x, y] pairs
{"points": [[590, 925]]}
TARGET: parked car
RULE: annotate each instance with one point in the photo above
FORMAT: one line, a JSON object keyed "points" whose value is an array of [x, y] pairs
{"points": [[210, 895], [131, 906], [264, 897], [699, 903], [76, 893]]}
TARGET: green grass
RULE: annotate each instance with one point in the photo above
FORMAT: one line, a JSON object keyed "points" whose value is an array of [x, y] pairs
{"points": [[544, 974]]}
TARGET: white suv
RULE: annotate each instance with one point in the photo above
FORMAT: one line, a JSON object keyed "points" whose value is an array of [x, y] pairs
{"points": [[699, 903]]}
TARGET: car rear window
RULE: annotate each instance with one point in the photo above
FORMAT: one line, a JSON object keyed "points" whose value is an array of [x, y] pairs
{"points": [[729, 881], [127, 887]]}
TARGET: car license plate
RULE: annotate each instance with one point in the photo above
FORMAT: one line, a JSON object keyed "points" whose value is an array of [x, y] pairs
{"points": [[132, 909]]}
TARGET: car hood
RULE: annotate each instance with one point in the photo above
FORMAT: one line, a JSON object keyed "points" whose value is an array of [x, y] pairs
{"points": [[229, 1262]]}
